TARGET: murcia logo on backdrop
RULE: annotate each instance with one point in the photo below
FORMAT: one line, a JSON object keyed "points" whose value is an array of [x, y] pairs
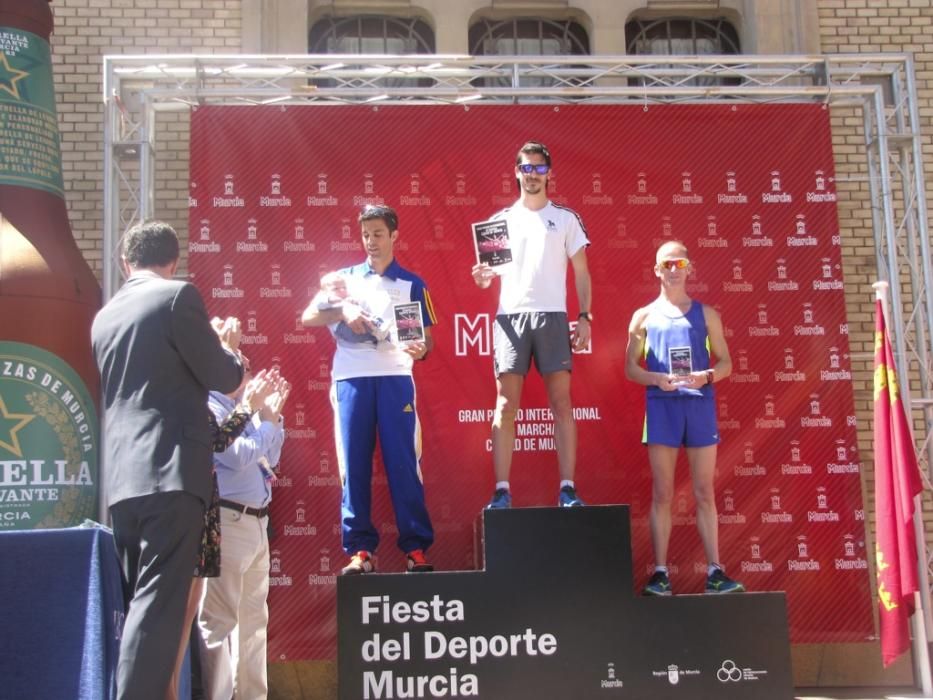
{"points": [[801, 238], [782, 284], [810, 327], [827, 282], [776, 195], [229, 199], [820, 194], [729, 514], [776, 514], [749, 467], [48, 441], [439, 240], [276, 199], [460, 198], [252, 336], [203, 244], [738, 282], [743, 375], [851, 560], [276, 290], [789, 373], [803, 562], [298, 244], [414, 198], [796, 467], [731, 195], [756, 563], [763, 328], [252, 244], [643, 197], [770, 421], [843, 463], [757, 239], [686, 195], [228, 290], [725, 421], [597, 197], [621, 240], [277, 577], [712, 239], [836, 372], [321, 198]]}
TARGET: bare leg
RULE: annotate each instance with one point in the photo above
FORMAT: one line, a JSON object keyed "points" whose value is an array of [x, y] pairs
{"points": [[703, 471], [565, 429], [194, 598], [663, 460], [509, 388]]}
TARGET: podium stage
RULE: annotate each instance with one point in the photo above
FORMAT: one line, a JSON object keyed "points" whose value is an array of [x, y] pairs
{"points": [[553, 615]]}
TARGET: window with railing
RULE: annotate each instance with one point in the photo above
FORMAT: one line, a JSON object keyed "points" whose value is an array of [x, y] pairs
{"points": [[373, 34], [527, 36], [683, 36]]}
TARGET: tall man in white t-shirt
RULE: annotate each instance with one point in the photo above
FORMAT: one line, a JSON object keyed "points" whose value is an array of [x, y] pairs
{"points": [[532, 318]]}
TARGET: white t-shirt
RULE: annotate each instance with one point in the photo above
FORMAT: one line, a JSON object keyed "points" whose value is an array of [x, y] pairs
{"points": [[542, 241], [366, 355]]}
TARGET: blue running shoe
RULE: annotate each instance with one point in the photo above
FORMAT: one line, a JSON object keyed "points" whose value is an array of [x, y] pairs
{"points": [[718, 583], [500, 499], [567, 498], [658, 584]]}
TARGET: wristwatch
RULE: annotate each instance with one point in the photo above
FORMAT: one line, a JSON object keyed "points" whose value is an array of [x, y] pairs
{"points": [[587, 315]]}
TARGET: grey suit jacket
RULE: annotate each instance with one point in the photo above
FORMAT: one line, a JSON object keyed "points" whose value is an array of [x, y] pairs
{"points": [[158, 357]]}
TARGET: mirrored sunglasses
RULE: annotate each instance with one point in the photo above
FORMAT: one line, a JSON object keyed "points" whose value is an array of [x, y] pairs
{"points": [[528, 168], [676, 264]]}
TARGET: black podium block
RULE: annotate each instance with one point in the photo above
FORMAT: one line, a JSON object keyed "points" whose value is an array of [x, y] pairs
{"points": [[553, 615]]}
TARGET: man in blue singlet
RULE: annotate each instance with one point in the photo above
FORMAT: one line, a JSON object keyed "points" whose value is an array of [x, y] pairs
{"points": [[678, 337]]}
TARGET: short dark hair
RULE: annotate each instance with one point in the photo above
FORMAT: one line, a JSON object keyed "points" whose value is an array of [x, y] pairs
{"points": [[533, 147], [380, 211], [150, 244]]}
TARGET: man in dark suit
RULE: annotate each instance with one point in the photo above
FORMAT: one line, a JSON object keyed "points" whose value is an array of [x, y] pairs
{"points": [[158, 357]]}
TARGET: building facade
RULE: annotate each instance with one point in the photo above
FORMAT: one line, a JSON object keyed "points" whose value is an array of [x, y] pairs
{"points": [[86, 30]]}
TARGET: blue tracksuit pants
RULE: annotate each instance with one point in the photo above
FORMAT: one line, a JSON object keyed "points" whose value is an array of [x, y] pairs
{"points": [[365, 407]]}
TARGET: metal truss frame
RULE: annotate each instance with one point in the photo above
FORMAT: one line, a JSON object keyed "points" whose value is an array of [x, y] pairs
{"points": [[136, 89]]}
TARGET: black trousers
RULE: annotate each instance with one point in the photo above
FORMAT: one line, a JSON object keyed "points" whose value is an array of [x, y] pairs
{"points": [[157, 538]]}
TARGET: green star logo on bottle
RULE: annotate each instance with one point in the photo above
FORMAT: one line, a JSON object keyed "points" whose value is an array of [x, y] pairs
{"points": [[9, 76], [48, 441]]}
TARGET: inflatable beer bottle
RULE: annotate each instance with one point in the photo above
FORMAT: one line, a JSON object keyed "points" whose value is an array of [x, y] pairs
{"points": [[48, 297]]}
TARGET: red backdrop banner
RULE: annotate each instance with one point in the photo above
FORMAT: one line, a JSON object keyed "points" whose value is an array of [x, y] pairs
{"points": [[274, 196]]}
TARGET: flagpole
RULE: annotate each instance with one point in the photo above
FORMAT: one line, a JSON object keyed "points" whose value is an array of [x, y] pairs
{"points": [[920, 650]]}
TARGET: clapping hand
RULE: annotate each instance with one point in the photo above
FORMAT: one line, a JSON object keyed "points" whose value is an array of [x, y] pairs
{"points": [[229, 330], [272, 406], [259, 388]]}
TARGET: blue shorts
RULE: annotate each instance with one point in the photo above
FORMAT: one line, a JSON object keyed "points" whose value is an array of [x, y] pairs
{"points": [[675, 421]]}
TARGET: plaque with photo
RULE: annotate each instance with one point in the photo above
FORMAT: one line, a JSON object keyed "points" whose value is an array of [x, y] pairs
{"points": [[680, 361], [409, 323], [491, 241]]}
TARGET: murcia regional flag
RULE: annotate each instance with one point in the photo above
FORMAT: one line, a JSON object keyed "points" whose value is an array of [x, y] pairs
{"points": [[897, 481]]}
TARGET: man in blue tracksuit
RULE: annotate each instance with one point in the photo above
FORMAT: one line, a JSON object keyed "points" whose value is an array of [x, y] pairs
{"points": [[373, 393]]}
